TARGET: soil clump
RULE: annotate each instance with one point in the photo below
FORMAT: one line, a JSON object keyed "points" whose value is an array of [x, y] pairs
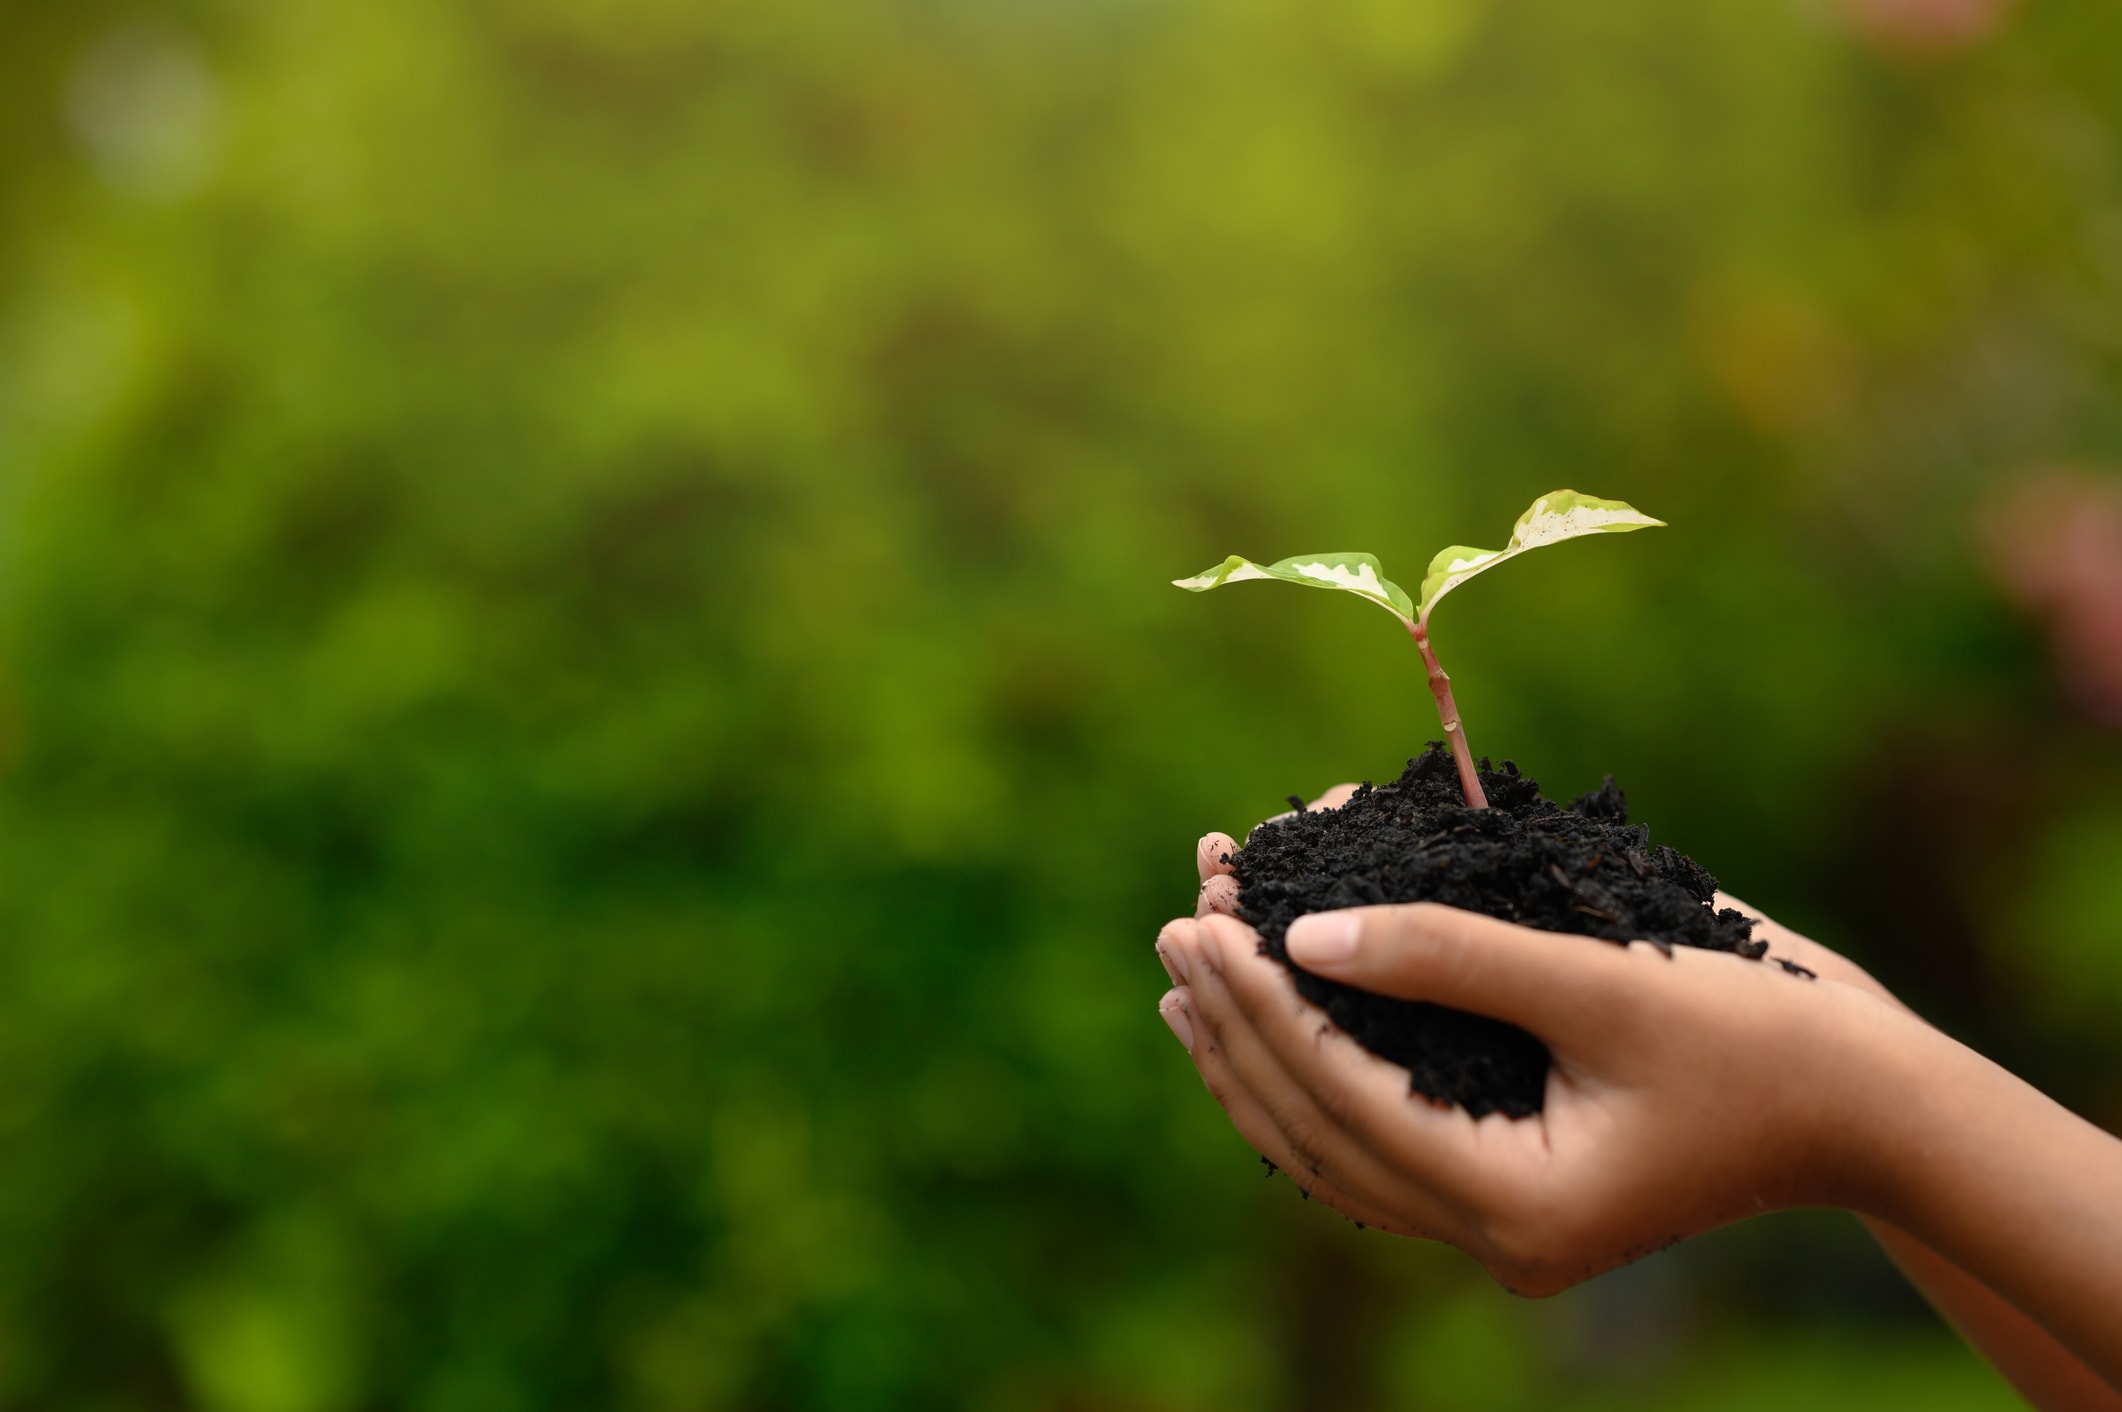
{"points": [[1584, 870]]}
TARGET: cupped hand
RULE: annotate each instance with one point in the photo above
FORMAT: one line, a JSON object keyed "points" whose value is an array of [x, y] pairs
{"points": [[1219, 890], [1687, 1091], [1219, 893]]}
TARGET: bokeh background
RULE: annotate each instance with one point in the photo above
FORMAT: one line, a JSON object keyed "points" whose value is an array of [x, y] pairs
{"points": [[593, 735]]}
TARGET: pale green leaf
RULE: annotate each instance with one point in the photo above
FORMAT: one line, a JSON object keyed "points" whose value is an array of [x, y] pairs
{"points": [[1554, 517], [1354, 573]]}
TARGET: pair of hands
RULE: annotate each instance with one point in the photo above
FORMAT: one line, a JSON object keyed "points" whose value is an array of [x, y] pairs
{"points": [[1687, 1091]]}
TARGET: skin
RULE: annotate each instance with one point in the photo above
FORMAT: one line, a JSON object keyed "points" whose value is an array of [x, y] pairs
{"points": [[1687, 1092]]}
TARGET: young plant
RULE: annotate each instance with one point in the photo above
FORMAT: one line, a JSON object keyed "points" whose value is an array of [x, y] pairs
{"points": [[1554, 517]]}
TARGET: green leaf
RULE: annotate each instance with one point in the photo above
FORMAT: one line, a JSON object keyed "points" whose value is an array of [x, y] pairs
{"points": [[1353, 573], [1554, 517]]}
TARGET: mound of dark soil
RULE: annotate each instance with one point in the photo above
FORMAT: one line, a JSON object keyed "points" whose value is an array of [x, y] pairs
{"points": [[1584, 869]]}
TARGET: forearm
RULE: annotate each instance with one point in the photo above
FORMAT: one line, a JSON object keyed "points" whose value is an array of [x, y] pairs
{"points": [[2010, 1187], [2047, 1374]]}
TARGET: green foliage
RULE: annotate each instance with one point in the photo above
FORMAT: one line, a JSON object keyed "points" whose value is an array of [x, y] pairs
{"points": [[1360, 574], [588, 761], [1554, 517]]}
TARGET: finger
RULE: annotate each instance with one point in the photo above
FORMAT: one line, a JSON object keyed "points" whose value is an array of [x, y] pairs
{"points": [[1172, 1010], [1725, 899], [1333, 799], [1278, 1040], [1781, 939], [1366, 1136], [1821, 960], [1218, 894], [1212, 854], [1767, 928], [1168, 950], [1764, 925], [1555, 985], [1266, 1138]]}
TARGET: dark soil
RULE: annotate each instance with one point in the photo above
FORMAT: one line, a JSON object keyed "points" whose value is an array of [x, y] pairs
{"points": [[1584, 870]]}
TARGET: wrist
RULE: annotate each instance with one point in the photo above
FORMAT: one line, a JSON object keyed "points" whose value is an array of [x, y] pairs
{"points": [[1889, 1082], [1950, 1133], [2010, 1187]]}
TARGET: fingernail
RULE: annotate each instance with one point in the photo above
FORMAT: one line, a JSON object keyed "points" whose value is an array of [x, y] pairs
{"points": [[1174, 963], [1208, 853], [1323, 938], [1173, 1008]]}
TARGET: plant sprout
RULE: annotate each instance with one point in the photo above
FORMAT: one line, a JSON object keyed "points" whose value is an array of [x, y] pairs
{"points": [[1554, 517]]}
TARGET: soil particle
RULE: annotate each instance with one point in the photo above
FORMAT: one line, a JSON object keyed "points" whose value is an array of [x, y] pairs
{"points": [[1584, 870]]}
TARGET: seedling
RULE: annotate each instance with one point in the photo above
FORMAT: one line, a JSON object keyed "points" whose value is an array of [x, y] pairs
{"points": [[1554, 517]]}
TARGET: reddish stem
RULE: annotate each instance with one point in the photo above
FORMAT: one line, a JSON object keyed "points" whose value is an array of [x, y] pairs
{"points": [[1440, 686]]}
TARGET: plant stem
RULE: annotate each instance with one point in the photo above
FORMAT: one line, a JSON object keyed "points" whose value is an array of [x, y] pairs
{"points": [[1440, 686]]}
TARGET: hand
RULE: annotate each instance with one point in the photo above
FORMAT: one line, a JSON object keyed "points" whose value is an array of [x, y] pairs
{"points": [[1681, 1098], [1822, 961], [1219, 890], [1686, 1092], [1219, 893]]}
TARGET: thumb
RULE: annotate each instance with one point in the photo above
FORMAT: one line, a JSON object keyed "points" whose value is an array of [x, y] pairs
{"points": [[1541, 981]]}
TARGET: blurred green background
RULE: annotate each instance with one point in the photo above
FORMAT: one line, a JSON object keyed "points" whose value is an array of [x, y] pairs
{"points": [[593, 736]]}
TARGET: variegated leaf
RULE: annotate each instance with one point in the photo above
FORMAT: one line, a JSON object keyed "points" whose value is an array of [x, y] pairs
{"points": [[1355, 573], [1554, 517]]}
